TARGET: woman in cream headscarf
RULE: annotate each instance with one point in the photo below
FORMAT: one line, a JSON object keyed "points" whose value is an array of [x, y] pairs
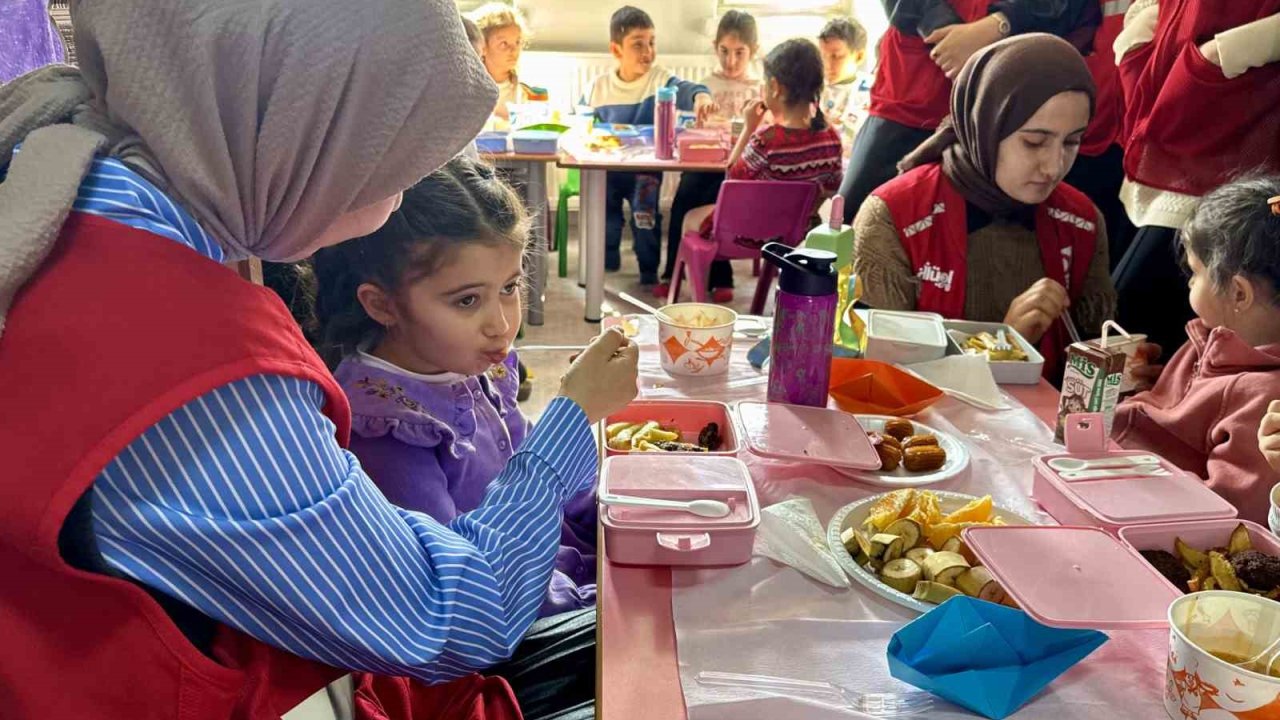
{"points": [[181, 532], [980, 225]]}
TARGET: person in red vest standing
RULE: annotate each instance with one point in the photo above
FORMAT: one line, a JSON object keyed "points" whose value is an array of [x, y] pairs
{"points": [[927, 43], [183, 534], [980, 225], [1099, 169], [1201, 83]]}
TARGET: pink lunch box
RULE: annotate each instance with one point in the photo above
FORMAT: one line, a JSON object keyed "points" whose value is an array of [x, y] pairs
{"points": [[1199, 535], [690, 416], [1117, 502], [701, 146], [654, 536]]}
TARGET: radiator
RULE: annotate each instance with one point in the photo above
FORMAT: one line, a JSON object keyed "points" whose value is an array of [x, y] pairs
{"points": [[568, 76]]}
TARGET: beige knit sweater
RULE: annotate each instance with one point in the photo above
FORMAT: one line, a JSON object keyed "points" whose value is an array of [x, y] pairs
{"points": [[1003, 261]]}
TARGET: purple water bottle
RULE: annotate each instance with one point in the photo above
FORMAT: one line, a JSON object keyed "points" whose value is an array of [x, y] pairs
{"points": [[664, 124], [803, 324]]}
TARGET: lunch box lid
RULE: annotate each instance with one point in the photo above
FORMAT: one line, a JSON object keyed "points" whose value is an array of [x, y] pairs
{"points": [[672, 476], [799, 433]]}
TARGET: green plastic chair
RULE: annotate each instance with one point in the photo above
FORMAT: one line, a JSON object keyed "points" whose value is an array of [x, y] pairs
{"points": [[571, 187]]}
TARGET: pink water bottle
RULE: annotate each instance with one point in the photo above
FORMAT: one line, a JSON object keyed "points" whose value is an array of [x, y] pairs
{"points": [[664, 124]]}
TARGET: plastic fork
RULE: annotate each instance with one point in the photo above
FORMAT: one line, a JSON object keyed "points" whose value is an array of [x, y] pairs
{"points": [[1002, 341], [887, 705]]}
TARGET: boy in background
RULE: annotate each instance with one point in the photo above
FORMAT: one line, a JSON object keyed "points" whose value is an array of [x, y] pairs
{"points": [[505, 36], [627, 96], [843, 43]]}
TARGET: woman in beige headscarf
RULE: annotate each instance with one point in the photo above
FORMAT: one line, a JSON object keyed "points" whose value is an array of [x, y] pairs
{"points": [[181, 532], [980, 225]]}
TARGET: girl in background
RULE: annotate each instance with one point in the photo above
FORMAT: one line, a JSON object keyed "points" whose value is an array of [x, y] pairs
{"points": [[504, 37], [732, 87], [799, 145], [419, 318]]}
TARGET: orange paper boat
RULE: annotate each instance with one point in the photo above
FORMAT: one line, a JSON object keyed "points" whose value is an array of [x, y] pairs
{"points": [[876, 388]]}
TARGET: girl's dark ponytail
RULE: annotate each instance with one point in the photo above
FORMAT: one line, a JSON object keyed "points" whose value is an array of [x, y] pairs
{"points": [[819, 121]]}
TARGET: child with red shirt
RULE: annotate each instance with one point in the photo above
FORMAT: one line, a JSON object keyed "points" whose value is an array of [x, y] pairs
{"points": [[799, 145]]}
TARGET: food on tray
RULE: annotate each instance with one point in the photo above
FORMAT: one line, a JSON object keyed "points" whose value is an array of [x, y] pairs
{"points": [[601, 141], [899, 429], [996, 348], [889, 450], [898, 442], [696, 319], [1236, 566], [923, 458], [1168, 565], [652, 437], [919, 441], [909, 545]]}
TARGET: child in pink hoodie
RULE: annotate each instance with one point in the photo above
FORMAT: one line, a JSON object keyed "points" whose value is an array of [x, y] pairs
{"points": [[1205, 411]]}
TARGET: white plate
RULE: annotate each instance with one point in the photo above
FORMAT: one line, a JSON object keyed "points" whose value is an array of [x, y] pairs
{"points": [[855, 514], [957, 458]]}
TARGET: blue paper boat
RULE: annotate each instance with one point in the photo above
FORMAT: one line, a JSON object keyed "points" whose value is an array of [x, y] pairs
{"points": [[985, 657]]}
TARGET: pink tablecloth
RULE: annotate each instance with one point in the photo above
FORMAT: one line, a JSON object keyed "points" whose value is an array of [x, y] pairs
{"points": [[768, 619]]}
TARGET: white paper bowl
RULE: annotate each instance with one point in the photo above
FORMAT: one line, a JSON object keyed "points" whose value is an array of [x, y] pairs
{"points": [[1201, 686], [699, 342]]}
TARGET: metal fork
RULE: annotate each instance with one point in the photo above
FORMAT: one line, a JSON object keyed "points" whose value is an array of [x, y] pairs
{"points": [[886, 705]]}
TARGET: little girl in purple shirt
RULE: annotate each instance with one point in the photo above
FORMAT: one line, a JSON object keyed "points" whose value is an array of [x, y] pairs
{"points": [[419, 318]]}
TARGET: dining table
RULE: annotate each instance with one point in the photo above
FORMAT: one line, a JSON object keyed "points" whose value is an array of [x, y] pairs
{"points": [[659, 627], [595, 168]]}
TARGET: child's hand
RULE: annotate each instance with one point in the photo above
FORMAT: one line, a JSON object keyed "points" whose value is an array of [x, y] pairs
{"points": [[1269, 435], [602, 380], [705, 107], [753, 114], [1147, 372]]}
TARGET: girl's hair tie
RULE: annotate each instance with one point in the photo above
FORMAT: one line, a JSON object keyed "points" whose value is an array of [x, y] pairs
{"points": [[1274, 202]]}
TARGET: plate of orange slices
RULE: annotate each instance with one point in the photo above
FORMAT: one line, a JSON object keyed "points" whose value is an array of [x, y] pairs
{"points": [[905, 546]]}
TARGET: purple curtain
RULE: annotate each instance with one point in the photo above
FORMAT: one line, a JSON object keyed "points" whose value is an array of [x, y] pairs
{"points": [[28, 38]]}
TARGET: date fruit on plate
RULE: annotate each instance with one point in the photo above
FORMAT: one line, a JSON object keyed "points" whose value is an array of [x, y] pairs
{"points": [[889, 450], [923, 458], [899, 429]]}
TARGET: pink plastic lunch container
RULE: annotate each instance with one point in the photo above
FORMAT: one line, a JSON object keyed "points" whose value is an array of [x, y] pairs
{"points": [[1199, 535], [690, 416], [1112, 503], [653, 536]]}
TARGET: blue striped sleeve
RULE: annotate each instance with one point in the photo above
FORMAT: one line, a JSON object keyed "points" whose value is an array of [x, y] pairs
{"points": [[242, 505]]}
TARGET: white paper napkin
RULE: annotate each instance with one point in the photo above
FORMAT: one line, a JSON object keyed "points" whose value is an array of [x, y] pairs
{"points": [[963, 375], [790, 533]]}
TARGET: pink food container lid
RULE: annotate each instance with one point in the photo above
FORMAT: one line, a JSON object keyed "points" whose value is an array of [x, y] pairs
{"points": [[1178, 497], [805, 434], [678, 477], [1074, 577]]}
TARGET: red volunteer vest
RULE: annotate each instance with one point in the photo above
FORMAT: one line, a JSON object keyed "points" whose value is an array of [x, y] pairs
{"points": [[107, 339], [909, 89], [1187, 128], [1108, 111], [930, 216]]}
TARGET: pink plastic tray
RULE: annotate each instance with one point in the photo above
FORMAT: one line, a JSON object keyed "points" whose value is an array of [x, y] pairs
{"points": [[688, 415], [653, 536], [1074, 577], [804, 434], [1200, 535], [1119, 502]]}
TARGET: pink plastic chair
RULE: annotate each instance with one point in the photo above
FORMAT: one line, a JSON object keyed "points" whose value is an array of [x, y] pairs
{"points": [[748, 214]]}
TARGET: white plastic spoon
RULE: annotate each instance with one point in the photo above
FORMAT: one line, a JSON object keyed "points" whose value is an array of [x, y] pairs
{"points": [[1120, 461], [703, 508]]}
